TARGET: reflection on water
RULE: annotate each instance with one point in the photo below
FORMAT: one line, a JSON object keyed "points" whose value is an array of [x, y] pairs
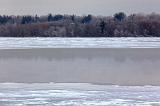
{"points": [[80, 42]]}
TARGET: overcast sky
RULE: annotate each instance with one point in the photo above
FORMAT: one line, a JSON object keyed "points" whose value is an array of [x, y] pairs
{"points": [[79, 7]]}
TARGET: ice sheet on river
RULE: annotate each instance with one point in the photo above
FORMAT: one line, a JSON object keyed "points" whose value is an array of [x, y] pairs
{"points": [[130, 42], [71, 94]]}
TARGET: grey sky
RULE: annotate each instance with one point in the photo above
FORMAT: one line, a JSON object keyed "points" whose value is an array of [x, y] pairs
{"points": [[79, 7]]}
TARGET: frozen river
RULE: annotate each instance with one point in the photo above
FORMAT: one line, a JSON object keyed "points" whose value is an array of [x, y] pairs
{"points": [[136, 66], [80, 42], [77, 95]]}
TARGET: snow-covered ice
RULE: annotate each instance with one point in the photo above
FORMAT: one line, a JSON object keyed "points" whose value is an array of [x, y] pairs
{"points": [[130, 42], [63, 94]]}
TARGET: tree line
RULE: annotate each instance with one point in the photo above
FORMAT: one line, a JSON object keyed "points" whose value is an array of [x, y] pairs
{"points": [[118, 25]]}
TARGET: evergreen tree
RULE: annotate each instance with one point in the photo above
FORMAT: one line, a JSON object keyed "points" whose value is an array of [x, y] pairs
{"points": [[58, 17], [50, 17], [120, 16], [102, 26], [26, 20], [87, 19], [73, 18]]}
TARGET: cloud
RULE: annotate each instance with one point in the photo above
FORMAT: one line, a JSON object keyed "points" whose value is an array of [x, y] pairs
{"points": [[80, 7]]}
